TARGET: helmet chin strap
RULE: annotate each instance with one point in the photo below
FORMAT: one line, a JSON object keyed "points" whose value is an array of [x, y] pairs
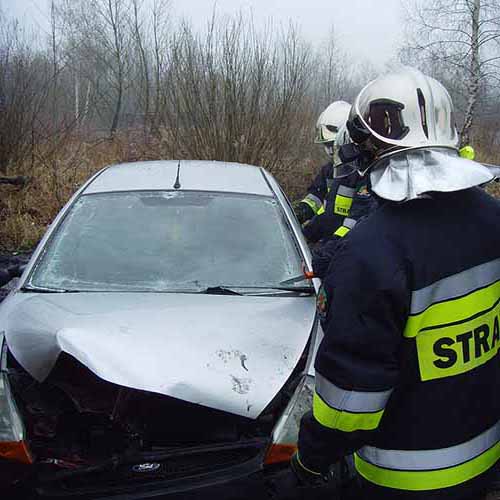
{"points": [[329, 150]]}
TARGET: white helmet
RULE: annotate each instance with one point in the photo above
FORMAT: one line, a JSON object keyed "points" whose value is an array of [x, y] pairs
{"points": [[330, 121], [403, 110]]}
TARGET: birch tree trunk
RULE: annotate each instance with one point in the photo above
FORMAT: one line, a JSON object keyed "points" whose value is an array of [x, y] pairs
{"points": [[475, 73]]}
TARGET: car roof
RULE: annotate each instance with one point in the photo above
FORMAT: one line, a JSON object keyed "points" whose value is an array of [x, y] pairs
{"points": [[193, 175]]}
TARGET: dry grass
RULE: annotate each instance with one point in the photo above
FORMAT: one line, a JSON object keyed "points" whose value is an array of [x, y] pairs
{"points": [[58, 168]]}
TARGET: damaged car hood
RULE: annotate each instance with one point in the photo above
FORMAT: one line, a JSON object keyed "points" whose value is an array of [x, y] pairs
{"points": [[231, 353]]}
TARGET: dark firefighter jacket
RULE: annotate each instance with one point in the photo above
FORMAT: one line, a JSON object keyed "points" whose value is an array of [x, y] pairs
{"points": [[316, 193], [408, 370], [346, 202]]}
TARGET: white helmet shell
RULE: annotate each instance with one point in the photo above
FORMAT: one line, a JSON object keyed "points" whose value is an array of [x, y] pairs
{"points": [[330, 121], [404, 110]]}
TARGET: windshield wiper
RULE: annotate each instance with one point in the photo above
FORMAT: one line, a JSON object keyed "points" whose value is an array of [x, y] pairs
{"points": [[265, 289], [295, 279], [299, 289], [39, 289], [219, 290]]}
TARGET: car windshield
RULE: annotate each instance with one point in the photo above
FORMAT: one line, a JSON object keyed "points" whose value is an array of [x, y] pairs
{"points": [[168, 241]]}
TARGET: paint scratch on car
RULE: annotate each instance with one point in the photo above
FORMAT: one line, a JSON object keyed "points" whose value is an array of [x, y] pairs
{"points": [[241, 385]]}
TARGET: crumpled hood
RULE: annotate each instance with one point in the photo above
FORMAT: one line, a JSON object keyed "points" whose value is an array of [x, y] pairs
{"points": [[231, 353], [410, 174]]}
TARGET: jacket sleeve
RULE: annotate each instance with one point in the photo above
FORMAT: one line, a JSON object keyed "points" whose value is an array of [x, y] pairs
{"points": [[322, 256], [318, 190], [364, 308]]}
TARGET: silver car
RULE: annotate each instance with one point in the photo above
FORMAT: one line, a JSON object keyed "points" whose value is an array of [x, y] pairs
{"points": [[160, 339]]}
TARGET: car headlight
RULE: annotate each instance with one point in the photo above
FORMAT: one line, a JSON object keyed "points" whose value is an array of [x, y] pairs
{"points": [[12, 434], [286, 432]]}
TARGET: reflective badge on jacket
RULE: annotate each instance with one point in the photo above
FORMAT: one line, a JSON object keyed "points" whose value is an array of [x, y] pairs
{"points": [[456, 322], [322, 303], [343, 200]]}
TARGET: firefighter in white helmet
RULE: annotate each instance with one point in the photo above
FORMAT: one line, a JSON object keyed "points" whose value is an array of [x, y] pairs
{"points": [[407, 373], [347, 202], [327, 127]]}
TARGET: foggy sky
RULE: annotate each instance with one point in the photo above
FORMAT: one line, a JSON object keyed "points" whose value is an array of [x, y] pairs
{"points": [[365, 28]]}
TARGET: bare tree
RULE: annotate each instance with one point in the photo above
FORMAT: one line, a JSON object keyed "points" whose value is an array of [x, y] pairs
{"points": [[458, 40], [236, 94], [100, 32], [23, 92], [334, 75]]}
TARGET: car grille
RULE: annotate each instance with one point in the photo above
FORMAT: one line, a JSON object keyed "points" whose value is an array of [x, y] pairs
{"points": [[141, 473]]}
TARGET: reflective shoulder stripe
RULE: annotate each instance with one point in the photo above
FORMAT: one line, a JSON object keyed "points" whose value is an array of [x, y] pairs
{"points": [[343, 420], [430, 469], [455, 286], [352, 401], [313, 201], [346, 191]]}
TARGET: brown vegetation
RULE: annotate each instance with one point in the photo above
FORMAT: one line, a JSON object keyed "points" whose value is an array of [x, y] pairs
{"points": [[118, 82], [56, 173]]}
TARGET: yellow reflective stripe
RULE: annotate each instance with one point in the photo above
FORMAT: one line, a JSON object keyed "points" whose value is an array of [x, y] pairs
{"points": [[342, 205], [453, 310], [458, 335], [311, 203], [343, 420], [321, 210], [456, 286], [428, 480], [454, 350], [342, 231]]}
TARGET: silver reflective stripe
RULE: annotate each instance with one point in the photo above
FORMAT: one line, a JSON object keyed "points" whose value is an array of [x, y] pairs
{"points": [[351, 401], [346, 191], [317, 201], [455, 286], [419, 460], [349, 223]]}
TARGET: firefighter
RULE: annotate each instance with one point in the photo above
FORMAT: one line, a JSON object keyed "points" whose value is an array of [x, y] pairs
{"points": [[407, 372], [347, 202], [327, 127]]}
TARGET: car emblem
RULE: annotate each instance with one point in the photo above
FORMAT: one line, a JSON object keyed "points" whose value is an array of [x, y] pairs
{"points": [[147, 467]]}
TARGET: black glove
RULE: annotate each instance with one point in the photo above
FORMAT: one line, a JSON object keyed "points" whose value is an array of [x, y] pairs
{"points": [[305, 476], [303, 211], [322, 256]]}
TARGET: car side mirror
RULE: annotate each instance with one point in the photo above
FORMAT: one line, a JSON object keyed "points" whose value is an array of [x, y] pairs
{"points": [[11, 272]]}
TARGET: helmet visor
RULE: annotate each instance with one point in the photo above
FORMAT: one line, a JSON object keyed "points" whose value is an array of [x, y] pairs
{"points": [[326, 133], [385, 117]]}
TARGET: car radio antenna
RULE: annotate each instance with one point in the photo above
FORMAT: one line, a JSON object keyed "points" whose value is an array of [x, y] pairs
{"points": [[177, 184]]}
